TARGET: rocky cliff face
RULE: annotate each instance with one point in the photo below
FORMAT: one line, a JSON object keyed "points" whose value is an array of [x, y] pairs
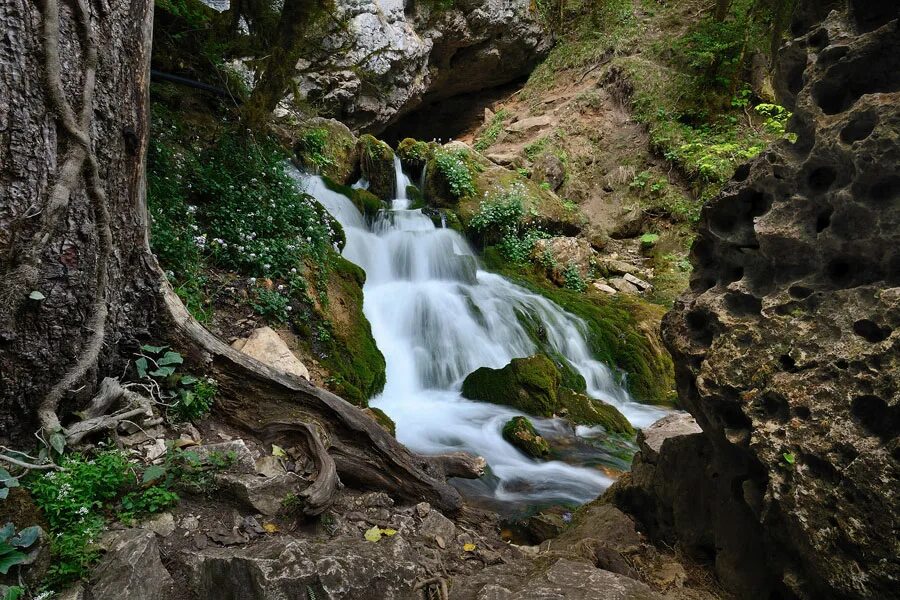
{"points": [[786, 345], [387, 57]]}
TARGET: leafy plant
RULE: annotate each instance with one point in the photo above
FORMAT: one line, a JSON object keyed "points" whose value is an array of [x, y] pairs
{"points": [[313, 146], [13, 545], [500, 221], [7, 482], [648, 240], [572, 278], [187, 397], [455, 171], [272, 305], [148, 501]]}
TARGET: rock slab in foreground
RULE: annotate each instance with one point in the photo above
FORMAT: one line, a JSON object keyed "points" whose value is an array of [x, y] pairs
{"points": [[266, 346], [131, 569]]}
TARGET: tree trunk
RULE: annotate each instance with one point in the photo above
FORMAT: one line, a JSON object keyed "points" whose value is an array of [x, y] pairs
{"points": [[74, 234], [80, 288]]}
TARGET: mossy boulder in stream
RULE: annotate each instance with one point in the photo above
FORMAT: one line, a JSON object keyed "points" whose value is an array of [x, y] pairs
{"points": [[327, 147], [520, 432], [414, 153], [584, 410], [376, 160], [365, 201], [528, 384], [535, 385]]}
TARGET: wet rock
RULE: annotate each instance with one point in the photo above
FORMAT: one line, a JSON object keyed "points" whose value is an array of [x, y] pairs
{"points": [[584, 410], [266, 346], [131, 568], [650, 439], [529, 384], [519, 432]]}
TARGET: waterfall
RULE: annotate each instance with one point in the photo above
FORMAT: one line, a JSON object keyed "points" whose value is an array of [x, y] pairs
{"points": [[436, 318]]}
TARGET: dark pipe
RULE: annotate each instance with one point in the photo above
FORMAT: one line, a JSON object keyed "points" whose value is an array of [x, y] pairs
{"points": [[159, 76]]}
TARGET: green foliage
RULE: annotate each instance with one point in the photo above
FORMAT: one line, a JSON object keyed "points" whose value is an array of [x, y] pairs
{"points": [[187, 398], [453, 167], [648, 240], [13, 546], [151, 500], [7, 481], [492, 131], [228, 204], [312, 147], [499, 221], [14, 592], [536, 148], [712, 50], [271, 304], [573, 279], [414, 153], [776, 119]]}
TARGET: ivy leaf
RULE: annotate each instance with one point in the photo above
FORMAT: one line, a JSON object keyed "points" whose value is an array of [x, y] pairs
{"points": [[36, 295], [58, 442], [4, 492], [789, 458], [170, 358], [7, 479], [153, 349], [373, 534], [162, 372], [152, 473], [141, 366], [188, 380]]}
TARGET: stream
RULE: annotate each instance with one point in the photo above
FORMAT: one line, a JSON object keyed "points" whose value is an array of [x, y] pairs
{"points": [[436, 316]]}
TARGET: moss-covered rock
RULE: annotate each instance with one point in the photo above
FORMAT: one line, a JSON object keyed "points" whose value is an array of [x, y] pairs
{"points": [[450, 175], [365, 201], [622, 331], [528, 384], [519, 432], [346, 348], [414, 153], [327, 147], [584, 410], [376, 160]]}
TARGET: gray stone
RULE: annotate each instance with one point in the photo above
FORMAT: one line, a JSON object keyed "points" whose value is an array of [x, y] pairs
{"points": [[162, 524], [262, 494], [435, 525], [131, 568], [626, 287], [265, 345], [235, 450], [650, 439], [637, 282]]}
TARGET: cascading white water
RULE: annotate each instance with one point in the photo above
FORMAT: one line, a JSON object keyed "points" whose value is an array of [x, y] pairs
{"points": [[436, 318]]}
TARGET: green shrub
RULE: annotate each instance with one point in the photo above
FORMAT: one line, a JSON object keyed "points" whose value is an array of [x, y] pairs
{"points": [[573, 279], [312, 147], [454, 169], [492, 131], [499, 221]]}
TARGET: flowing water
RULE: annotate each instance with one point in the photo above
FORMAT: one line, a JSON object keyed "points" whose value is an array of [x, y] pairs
{"points": [[436, 318]]}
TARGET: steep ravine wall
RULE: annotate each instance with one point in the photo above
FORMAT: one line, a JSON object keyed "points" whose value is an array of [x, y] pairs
{"points": [[786, 344]]}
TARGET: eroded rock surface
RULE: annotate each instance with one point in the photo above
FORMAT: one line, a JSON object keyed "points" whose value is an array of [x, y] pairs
{"points": [[389, 56], [786, 345]]}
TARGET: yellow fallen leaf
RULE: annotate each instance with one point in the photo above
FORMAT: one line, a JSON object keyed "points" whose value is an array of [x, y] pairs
{"points": [[374, 534], [270, 527], [278, 451], [389, 532], [469, 547]]}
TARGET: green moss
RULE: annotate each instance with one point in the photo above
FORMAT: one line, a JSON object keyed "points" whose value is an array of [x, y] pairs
{"points": [[519, 432], [618, 330], [365, 201], [328, 147], [377, 165], [449, 177], [584, 410], [528, 384], [349, 353], [414, 153]]}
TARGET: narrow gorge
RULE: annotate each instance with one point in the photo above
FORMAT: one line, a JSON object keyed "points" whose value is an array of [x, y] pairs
{"points": [[449, 299]]}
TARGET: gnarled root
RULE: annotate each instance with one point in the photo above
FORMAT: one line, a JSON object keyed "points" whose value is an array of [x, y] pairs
{"points": [[257, 398]]}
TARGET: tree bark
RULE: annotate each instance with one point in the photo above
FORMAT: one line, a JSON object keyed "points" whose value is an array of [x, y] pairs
{"points": [[80, 289]]}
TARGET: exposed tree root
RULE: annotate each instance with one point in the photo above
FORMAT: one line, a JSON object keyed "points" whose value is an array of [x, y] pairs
{"points": [[271, 403]]}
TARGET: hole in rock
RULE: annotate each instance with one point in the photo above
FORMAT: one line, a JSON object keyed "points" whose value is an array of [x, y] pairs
{"points": [[818, 39], [801, 412], [840, 271], [799, 292], [447, 118], [860, 127], [823, 220], [870, 331], [742, 304], [702, 284], [876, 416], [776, 406], [732, 273], [886, 189], [872, 70], [701, 326], [788, 363], [821, 178], [841, 364], [741, 173], [820, 468]]}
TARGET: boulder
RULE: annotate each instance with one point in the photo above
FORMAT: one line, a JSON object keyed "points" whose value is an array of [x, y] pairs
{"points": [[376, 161], [265, 495], [343, 569], [530, 123], [528, 384], [786, 343], [561, 254], [519, 432], [549, 168], [266, 346], [131, 568], [234, 453], [584, 410]]}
